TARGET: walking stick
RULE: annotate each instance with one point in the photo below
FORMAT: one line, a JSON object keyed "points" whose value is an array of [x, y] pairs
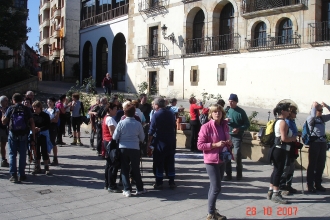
{"points": [[301, 170]]}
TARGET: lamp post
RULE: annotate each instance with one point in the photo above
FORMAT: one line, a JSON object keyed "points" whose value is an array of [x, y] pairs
{"points": [[170, 37]]}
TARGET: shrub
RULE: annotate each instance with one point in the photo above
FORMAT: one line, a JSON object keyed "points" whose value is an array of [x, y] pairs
{"points": [[13, 75]]}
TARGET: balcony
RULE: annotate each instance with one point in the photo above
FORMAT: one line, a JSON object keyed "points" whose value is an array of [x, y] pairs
{"points": [[258, 8], [152, 8], [153, 54], [57, 13], [273, 43], [106, 16], [44, 41], [319, 33], [188, 1], [222, 44], [57, 34], [45, 5], [55, 53], [45, 23]]}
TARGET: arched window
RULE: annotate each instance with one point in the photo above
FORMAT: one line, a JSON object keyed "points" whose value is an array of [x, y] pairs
{"points": [[101, 60], [226, 30], [325, 29], [285, 33], [198, 31], [87, 60], [260, 35]]}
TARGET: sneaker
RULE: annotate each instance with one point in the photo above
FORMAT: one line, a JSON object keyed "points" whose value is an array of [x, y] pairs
{"points": [[55, 162], [215, 216], [36, 170], [22, 178], [60, 143], [172, 186], [13, 179], [80, 144], [269, 194], [114, 190], [227, 178], [4, 163], [311, 189], [320, 188], [141, 192], [47, 170], [277, 198], [127, 193], [159, 187], [74, 142]]}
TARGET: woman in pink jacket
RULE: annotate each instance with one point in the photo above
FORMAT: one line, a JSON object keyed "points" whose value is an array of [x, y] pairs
{"points": [[213, 139]]}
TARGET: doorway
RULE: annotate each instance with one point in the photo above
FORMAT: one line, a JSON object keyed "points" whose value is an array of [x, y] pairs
{"points": [[153, 82]]}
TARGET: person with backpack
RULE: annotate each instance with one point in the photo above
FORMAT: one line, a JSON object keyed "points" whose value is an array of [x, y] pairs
{"points": [[54, 115], [61, 130], [317, 147], [283, 139], [20, 122], [3, 131], [77, 109]]}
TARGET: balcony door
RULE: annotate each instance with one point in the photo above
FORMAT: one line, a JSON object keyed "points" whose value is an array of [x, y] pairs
{"points": [[226, 30], [153, 41], [325, 20], [153, 82]]}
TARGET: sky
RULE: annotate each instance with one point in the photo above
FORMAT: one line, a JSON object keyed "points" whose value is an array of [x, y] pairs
{"points": [[33, 6]]}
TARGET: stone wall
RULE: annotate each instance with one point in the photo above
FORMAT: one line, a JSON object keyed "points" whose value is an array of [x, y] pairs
{"points": [[20, 87]]}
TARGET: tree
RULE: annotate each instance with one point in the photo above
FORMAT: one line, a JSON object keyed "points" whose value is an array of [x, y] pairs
{"points": [[13, 29]]}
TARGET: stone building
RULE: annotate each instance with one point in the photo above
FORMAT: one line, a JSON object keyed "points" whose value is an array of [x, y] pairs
{"points": [[59, 38], [263, 50]]}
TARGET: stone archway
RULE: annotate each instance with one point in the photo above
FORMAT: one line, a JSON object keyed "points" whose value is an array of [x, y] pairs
{"points": [[118, 59], [101, 60], [87, 60]]}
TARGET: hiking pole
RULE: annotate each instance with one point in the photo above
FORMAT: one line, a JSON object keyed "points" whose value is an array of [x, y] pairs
{"points": [[301, 170]]}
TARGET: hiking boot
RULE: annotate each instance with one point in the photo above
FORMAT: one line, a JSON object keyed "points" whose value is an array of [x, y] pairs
{"points": [[291, 190], [79, 143], [311, 189], [13, 179], [37, 169], [115, 190], [227, 178], [127, 193], [55, 162], [4, 163], [141, 192], [159, 187], [22, 178], [239, 177], [215, 216], [277, 198], [47, 170], [172, 186], [74, 142], [320, 188], [269, 194]]}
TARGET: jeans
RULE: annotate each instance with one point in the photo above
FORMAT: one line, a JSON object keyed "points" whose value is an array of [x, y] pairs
{"points": [[93, 132], [107, 90], [237, 141], [316, 156], [130, 156], [17, 144], [215, 172], [160, 160]]}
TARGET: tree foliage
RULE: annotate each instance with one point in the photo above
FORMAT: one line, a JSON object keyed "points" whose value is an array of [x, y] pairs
{"points": [[13, 29]]}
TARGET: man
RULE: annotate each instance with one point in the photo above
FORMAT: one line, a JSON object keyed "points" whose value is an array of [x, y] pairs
{"points": [[91, 113], [162, 125], [60, 106], [145, 109], [3, 131], [19, 118], [107, 84], [238, 122], [30, 95]]}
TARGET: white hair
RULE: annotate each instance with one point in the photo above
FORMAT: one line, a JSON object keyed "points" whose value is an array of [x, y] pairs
{"points": [[126, 103]]}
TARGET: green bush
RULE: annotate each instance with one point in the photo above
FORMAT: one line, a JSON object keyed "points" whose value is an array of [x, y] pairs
{"points": [[13, 75]]}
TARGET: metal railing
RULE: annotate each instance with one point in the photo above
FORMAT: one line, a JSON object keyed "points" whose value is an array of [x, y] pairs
{"points": [[258, 5], [188, 1], [271, 43], [153, 51], [152, 5], [105, 16], [319, 33], [227, 43]]}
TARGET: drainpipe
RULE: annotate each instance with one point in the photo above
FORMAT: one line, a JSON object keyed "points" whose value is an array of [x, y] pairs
{"points": [[183, 77]]}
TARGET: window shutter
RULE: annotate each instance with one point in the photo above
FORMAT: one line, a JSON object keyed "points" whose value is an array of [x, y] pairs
{"points": [[197, 75], [218, 74], [191, 75], [326, 71], [225, 75]]}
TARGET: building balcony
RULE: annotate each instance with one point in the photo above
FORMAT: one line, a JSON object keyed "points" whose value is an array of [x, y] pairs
{"points": [[45, 23], [273, 43], [319, 33], [55, 53], [222, 44], [57, 34], [153, 54], [45, 5], [44, 41], [57, 13], [188, 1], [106, 16], [153, 7], [259, 8]]}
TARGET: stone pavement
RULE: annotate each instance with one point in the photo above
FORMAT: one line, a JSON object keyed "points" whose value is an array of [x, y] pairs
{"points": [[75, 191]]}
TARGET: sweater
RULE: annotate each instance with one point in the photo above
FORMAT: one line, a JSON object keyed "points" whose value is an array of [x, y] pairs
{"points": [[194, 111], [208, 134], [237, 119]]}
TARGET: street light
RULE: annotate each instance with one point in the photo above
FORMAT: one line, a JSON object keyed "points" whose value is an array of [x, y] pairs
{"points": [[170, 37]]}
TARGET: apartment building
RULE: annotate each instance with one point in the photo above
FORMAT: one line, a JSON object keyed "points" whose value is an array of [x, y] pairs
{"points": [[59, 39]]}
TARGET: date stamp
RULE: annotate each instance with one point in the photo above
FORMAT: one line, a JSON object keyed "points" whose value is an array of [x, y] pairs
{"points": [[268, 211]]}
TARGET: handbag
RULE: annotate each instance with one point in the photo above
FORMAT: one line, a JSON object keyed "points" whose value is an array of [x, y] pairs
{"points": [[225, 156]]}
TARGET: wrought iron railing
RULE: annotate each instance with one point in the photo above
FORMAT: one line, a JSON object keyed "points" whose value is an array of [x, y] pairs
{"points": [[319, 33], [258, 5], [227, 43], [105, 16], [270, 43], [152, 5], [188, 1], [153, 51]]}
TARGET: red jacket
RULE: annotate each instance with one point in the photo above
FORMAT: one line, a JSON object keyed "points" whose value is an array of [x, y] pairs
{"points": [[106, 81], [105, 130], [194, 111]]}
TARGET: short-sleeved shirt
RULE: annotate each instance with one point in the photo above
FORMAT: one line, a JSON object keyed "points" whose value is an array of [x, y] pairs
{"points": [[59, 105], [110, 121], [52, 112]]}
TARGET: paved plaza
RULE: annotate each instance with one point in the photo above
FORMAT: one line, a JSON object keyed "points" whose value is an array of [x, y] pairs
{"points": [[75, 190]]}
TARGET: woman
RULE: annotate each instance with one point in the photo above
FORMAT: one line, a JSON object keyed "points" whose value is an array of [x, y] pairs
{"points": [[317, 148], [54, 115], [77, 109], [3, 131], [108, 128], [129, 133], [67, 106], [42, 123], [138, 111], [61, 131], [283, 137], [213, 139], [194, 122]]}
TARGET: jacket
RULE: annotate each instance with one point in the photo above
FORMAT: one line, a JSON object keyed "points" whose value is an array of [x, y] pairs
{"points": [[208, 134]]}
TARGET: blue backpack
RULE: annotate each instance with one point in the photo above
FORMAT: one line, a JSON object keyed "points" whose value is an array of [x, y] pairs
{"points": [[18, 124], [306, 134]]}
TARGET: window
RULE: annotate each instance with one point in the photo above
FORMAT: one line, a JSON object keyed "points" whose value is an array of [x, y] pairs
{"points": [[198, 32], [226, 29], [285, 33], [222, 74], [260, 35], [171, 77], [194, 76], [153, 41], [325, 33]]}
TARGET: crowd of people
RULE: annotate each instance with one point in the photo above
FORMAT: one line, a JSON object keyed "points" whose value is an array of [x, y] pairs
{"points": [[127, 131]]}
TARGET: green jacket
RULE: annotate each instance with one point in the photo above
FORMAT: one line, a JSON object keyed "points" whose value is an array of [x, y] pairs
{"points": [[238, 119]]}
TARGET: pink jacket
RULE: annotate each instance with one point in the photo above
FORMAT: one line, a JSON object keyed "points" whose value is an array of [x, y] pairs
{"points": [[208, 135]]}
